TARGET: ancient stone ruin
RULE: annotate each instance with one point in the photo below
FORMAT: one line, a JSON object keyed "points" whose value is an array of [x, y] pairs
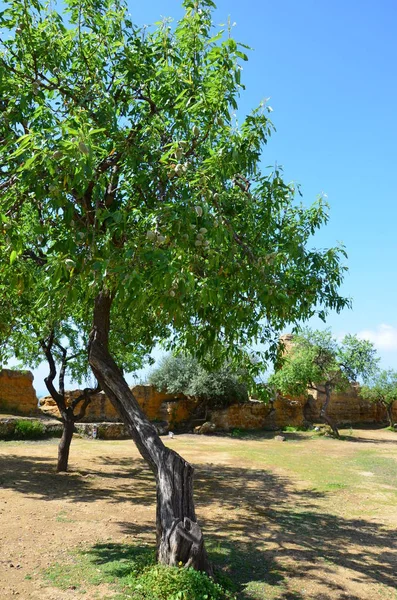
{"points": [[17, 394], [179, 413], [166, 410]]}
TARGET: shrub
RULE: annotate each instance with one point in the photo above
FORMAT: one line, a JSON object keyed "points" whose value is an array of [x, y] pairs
{"points": [[29, 430], [184, 374], [236, 432], [296, 428], [161, 582]]}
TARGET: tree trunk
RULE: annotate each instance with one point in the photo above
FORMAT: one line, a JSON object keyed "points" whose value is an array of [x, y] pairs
{"points": [[389, 410], [324, 411], [64, 444], [179, 537]]}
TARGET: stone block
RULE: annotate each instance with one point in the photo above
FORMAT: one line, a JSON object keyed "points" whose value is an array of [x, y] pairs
{"points": [[17, 394]]}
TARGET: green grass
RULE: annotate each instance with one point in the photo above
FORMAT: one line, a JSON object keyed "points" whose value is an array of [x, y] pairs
{"points": [[29, 430], [62, 517], [103, 563], [384, 469], [131, 571], [293, 429]]}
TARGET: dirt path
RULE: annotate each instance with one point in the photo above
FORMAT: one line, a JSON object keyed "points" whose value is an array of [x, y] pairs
{"points": [[281, 525]]}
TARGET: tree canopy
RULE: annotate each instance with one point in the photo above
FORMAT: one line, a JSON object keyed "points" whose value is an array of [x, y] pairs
{"points": [[122, 163], [183, 373]]}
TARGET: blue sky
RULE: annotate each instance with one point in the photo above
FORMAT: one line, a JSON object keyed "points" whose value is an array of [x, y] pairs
{"points": [[329, 69]]}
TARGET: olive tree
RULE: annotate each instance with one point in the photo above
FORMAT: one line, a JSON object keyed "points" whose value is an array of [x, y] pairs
{"points": [[382, 389], [317, 361], [183, 373], [125, 174]]}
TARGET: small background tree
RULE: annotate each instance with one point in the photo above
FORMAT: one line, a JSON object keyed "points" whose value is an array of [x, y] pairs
{"points": [[182, 373], [33, 331], [318, 361], [382, 389]]}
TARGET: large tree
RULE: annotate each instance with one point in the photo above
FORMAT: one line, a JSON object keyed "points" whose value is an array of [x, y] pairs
{"points": [[317, 361], [382, 389], [143, 196]]}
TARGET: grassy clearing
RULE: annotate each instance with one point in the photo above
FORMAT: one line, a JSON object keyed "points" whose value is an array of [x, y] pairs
{"points": [[306, 519]]}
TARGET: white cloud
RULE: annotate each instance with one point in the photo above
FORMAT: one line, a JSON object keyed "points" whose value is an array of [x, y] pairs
{"points": [[384, 337]]}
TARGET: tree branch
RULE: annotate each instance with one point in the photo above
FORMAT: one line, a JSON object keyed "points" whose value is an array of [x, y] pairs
{"points": [[87, 397], [236, 237], [314, 387], [46, 346], [62, 372], [8, 183], [39, 260], [86, 391]]}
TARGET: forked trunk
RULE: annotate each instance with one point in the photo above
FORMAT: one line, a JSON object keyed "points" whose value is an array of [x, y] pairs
{"points": [[64, 444], [179, 537], [324, 412]]}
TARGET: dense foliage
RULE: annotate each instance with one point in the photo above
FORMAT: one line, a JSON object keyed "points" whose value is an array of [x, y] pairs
{"points": [[123, 165], [162, 583], [182, 373], [317, 358]]}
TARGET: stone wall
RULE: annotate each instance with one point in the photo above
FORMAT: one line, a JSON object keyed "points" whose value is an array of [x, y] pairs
{"points": [[158, 406], [257, 415], [346, 408], [99, 409], [173, 408], [17, 394]]}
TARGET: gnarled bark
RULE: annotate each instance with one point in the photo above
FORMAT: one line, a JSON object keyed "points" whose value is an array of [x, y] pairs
{"points": [[67, 412], [64, 444], [324, 411], [179, 537]]}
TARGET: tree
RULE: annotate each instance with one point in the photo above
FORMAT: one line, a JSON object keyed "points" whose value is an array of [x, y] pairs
{"points": [[53, 349], [382, 389], [32, 338], [32, 332], [318, 361], [125, 176], [182, 373]]}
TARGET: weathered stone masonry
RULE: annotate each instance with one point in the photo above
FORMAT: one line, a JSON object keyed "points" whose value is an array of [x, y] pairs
{"points": [[17, 394], [18, 397]]}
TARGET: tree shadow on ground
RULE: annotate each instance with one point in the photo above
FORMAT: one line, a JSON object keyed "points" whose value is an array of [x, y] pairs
{"points": [[383, 442], [130, 481], [262, 528]]}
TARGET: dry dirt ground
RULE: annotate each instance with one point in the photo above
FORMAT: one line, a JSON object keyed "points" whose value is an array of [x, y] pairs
{"points": [[308, 518]]}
